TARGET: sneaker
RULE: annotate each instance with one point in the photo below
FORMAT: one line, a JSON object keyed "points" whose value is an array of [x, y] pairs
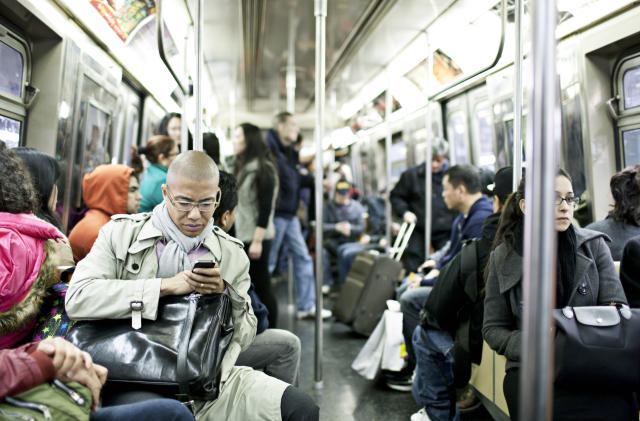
{"points": [[421, 415], [310, 314], [468, 401], [326, 289], [401, 384]]}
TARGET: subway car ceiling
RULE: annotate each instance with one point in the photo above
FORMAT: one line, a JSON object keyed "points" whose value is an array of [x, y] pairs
{"points": [[99, 68]]}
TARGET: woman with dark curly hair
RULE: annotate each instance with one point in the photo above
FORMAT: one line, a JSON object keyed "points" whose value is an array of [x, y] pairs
{"points": [[623, 222], [27, 252]]}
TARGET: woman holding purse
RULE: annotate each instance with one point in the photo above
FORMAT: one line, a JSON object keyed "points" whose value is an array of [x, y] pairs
{"points": [[586, 276]]}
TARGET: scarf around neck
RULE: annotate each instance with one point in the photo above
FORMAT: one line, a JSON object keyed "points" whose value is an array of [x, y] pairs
{"points": [[175, 256]]}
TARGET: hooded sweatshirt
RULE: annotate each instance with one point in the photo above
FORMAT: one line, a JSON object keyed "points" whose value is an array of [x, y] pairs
{"points": [[105, 192], [22, 277]]}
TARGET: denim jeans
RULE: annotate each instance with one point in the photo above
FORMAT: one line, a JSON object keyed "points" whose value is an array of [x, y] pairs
{"points": [[150, 410], [288, 233], [411, 302], [433, 386]]}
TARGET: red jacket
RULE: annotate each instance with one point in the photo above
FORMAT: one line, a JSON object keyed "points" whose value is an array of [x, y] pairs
{"points": [[23, 368]]}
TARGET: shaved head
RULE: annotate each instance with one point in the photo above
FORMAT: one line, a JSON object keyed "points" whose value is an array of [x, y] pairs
{"points": [[195, 166]]}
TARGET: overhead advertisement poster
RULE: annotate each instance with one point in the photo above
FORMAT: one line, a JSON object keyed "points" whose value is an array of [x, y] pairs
{"points": [[125, 16]]}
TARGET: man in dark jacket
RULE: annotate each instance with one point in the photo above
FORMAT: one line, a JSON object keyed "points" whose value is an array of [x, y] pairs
{"points": [[462, 192], [288, 231], [408, 202], [454, 310]]}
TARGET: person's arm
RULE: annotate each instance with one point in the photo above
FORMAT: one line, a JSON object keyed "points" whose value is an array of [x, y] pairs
{"points": [[329, 223], [610, 290], [400, 196], [23, 368], [497, 328], [95, 292]]}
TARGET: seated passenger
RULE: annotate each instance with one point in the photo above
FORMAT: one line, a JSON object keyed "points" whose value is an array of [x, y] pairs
{"points": [[27, 253], [45, 171], [623, 222], [437, 369], [33, 364], [630, 271], [586, 277], [343, 225], [462, 192], [167, 243], [274, 351], [160, 151], [108, 190]]}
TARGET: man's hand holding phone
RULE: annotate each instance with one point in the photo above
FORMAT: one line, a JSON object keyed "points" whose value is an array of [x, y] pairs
{"points": [[205, 278]]}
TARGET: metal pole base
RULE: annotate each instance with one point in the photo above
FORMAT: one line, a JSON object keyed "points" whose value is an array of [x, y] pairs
{"points": [[318, 385]]}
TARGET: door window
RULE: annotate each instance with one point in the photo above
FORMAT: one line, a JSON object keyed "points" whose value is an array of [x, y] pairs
{"points": [[457, 131], [631, 87], [11, 70], [631, 143]]}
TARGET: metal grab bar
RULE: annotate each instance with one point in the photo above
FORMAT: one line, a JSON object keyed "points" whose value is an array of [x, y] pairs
{"points": [[163, 55]]}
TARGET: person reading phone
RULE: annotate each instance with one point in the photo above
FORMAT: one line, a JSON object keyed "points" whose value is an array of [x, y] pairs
{"points": [[139, 258]]}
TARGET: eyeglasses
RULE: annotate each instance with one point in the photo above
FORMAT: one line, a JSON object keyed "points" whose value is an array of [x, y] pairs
{"points": [[206, 206], [572, 201]]}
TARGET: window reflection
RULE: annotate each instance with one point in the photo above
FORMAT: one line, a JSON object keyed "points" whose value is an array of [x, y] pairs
{"points": [[631, 86], [631, 139], [11, 70]]}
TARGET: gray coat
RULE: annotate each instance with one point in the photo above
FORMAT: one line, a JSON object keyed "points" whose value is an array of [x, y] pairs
{"points": [[247, 209], [596, 282]]}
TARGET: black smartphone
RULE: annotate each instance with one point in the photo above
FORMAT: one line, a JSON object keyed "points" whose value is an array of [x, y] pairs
{"points": [[204, 264]]}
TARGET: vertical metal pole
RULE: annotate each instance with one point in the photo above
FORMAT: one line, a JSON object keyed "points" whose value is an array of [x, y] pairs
{"points": [[540, 237], [387, 146], [290, 273], [184, 127], [428, 189], [197, 135], [517, 102], [321, 15], [291, 63]]}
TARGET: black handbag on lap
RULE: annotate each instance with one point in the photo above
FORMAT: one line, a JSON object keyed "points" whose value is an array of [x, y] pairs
{"points": [[177, 355], [598, 346]]}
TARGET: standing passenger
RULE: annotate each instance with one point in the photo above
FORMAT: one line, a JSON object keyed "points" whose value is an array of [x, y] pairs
{"points": [[108, 190], [160, 152], [288, 231], [623, 222], [257, 178], [586, 276], [171, 125], [408, 202]]}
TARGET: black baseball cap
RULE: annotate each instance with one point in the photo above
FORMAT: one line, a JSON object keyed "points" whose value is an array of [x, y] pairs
{"points": [[502, 184]]}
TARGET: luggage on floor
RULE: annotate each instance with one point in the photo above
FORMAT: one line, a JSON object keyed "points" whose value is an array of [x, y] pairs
{"points": [[371, 281]]}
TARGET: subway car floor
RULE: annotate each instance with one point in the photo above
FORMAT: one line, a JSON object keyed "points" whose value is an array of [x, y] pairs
{"points": [[345, 395]]}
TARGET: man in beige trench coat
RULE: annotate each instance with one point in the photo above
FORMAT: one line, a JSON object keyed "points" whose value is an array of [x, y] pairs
{"points": [[142, 257]]}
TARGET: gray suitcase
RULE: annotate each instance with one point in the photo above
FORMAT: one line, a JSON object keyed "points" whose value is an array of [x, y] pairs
{"points": [[370, 283]]}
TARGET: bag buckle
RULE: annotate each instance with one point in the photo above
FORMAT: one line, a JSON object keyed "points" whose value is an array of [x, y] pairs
{"points": [[136, 313]]}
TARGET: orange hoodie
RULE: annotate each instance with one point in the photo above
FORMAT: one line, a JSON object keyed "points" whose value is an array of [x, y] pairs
{"points": [[105, 191]]}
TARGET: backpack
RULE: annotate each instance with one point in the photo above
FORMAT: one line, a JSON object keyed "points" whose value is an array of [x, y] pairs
{"points": [[455, 305]]}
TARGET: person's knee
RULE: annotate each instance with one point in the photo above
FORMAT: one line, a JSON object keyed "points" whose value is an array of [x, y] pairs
{"points": [[172, 410], [298, 406]]}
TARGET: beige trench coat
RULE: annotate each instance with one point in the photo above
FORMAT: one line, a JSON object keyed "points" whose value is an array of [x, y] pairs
{"points": [[121, 267]]}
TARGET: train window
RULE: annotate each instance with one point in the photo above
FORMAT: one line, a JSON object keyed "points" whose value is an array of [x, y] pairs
{"points": [[11, 70], [457, 132], [10, 131], [631, 86], [484, 135], [631, 143]]}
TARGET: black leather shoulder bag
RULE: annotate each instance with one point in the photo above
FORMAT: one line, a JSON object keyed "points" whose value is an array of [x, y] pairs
{"points": [[598, 346], [178, 355]]}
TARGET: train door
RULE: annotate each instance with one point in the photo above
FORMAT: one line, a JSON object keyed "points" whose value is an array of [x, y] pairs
{"points": [[92, 143], [627, 90], [14, 77], [128, 125]]}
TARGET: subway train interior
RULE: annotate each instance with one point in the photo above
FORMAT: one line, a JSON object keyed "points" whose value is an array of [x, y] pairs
{"points": [[374, 90]]}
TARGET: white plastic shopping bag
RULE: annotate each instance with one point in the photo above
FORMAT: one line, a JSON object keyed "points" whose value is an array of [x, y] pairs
{"points": [[384, 347]]}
